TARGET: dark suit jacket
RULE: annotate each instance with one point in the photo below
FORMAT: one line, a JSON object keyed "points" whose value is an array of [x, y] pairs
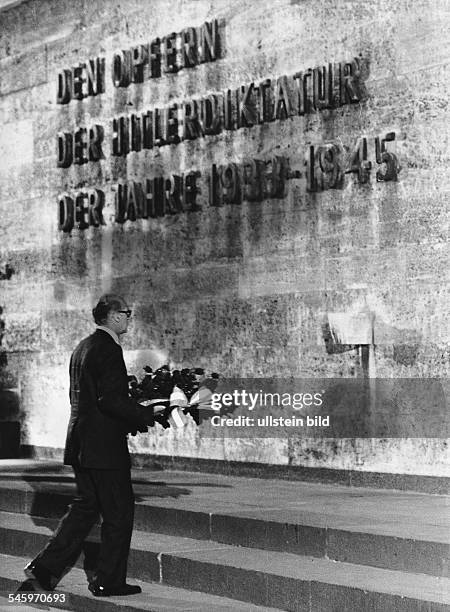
{"points": [[101, 411]]}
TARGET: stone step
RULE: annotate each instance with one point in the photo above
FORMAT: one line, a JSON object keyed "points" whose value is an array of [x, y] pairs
{"points": [[265, 578], [391, 530], [154, 597]]}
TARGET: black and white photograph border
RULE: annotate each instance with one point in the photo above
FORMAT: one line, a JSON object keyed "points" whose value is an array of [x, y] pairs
{"points": [[224, 322]]}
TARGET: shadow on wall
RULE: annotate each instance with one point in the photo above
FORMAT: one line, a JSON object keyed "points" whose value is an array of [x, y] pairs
{"points": [[69, 258], [5, 274], [9, 400]]}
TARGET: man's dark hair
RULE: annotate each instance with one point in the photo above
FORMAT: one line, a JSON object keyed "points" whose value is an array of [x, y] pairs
{"points": [[107, 303]]}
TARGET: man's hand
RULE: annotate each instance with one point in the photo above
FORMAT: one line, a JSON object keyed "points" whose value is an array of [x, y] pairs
{"points": [[140, 429], [150, 419]]}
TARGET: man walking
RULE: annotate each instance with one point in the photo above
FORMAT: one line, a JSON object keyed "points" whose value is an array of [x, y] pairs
{"points": [[96, 447]]}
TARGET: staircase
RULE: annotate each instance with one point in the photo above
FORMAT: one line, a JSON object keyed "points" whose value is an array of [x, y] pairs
{"points": [[205, 542]]}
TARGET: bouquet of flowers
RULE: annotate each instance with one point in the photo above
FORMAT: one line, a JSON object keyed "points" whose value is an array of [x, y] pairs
{"points": [[172, 394]]}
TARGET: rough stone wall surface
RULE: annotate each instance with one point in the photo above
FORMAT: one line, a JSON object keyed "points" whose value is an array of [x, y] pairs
{"points": [[241, 289]]}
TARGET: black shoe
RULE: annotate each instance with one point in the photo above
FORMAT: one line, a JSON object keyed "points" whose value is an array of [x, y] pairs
{"points": [[36, 571], [101, 591]]}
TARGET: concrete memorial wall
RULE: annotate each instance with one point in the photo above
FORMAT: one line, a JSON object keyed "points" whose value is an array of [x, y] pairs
{"points": [[265, 182]]}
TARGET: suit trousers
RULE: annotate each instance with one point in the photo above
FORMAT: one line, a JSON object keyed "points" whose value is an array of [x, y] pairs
{"points": [[107, 493]]}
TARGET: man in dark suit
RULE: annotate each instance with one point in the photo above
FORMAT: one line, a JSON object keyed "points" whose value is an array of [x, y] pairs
{"points": [[102, 413]]}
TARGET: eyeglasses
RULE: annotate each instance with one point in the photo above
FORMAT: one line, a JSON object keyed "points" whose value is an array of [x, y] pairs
{"points": [[127, 312]]}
